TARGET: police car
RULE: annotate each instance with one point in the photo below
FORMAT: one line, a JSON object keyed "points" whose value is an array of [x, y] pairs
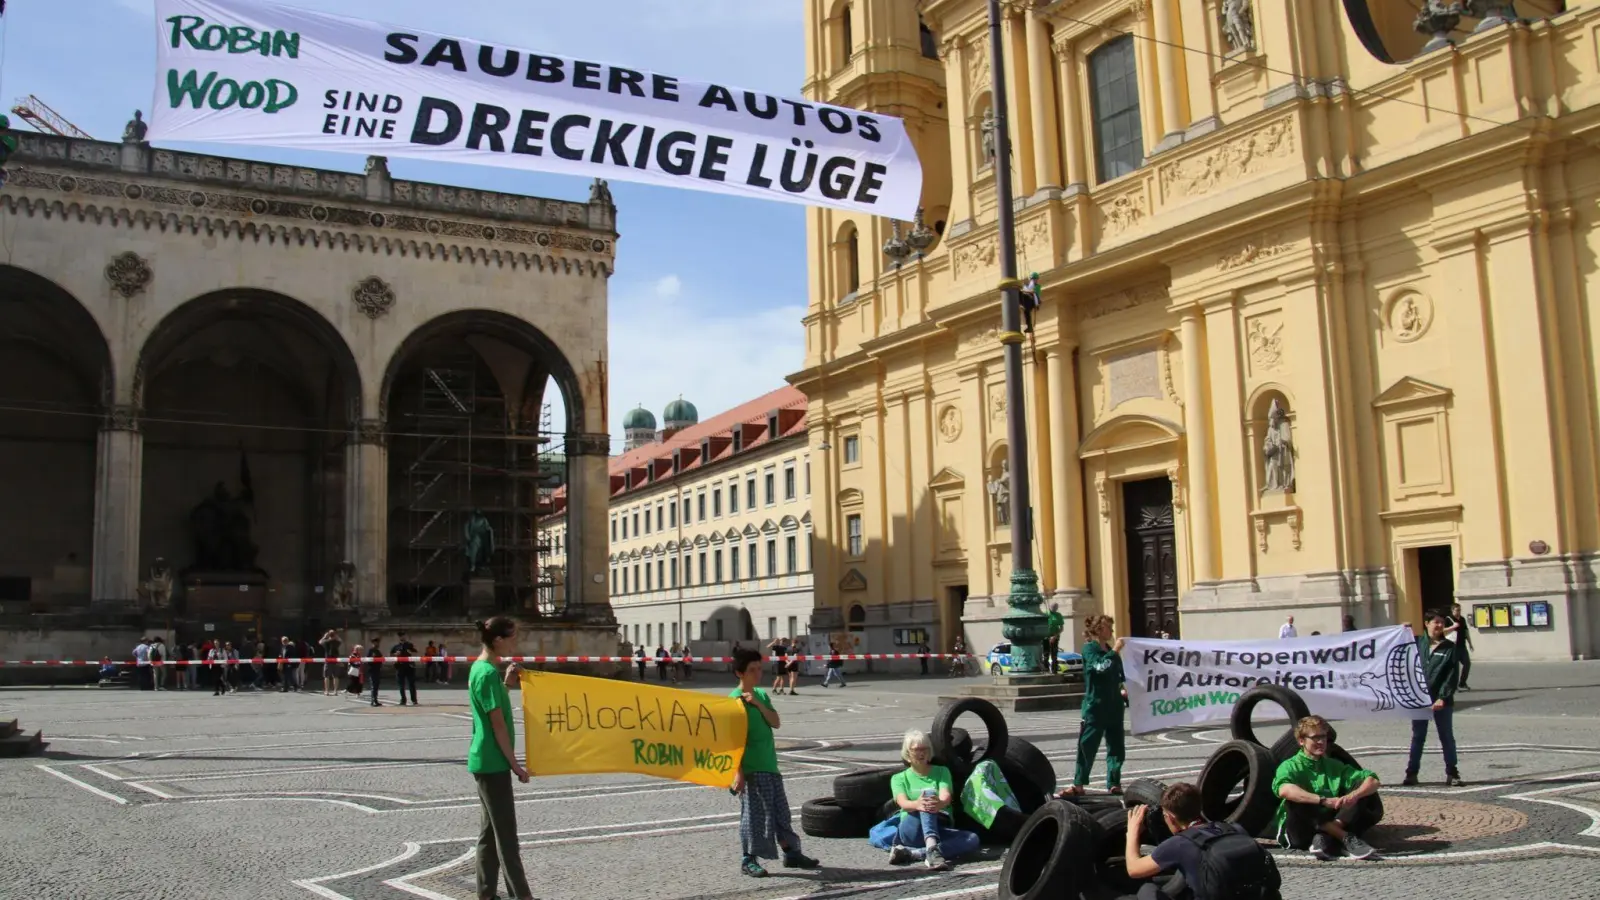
{"points": [[999, 661]]}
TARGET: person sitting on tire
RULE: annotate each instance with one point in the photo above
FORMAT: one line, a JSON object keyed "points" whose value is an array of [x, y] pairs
{"points": [[1216, 859], [1327, 805], [924, 792], [1103, 707]]}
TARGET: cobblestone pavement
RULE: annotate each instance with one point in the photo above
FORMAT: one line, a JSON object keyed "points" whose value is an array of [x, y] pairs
{"points": [[175, 795]]}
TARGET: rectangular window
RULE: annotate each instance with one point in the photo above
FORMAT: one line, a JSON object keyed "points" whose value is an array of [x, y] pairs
{"points": [[649, 634], [636, 634], [792, 623], [716, 503], [647, 520], [733, 564], [717, 565], [771, 487], [772, 556], [635, 524], [674, 511], [613, 529], [658, 517], [649, 583], [702, 567], [1114, 98], [750, 493], [852, 450], [811, 549], [791, 553], [808, 478], [702, 504], [636, 578], [733, 497], [852, 530], [788, 483], [624, 526], [719, 629], [772, 628], [674, 573], [614, 582], [688, 631], [752, 555], [661, 572], [674, 632]]}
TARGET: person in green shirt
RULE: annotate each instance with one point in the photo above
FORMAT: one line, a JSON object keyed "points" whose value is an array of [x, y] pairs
{"points": [[1054, 622], [1103, 709], [492, 760], [1326, 805], [1441, 664], [765, 826], [924, 793]]}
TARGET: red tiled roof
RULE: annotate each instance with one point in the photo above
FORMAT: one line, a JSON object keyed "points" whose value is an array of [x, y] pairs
{"points": [[751, 416]]}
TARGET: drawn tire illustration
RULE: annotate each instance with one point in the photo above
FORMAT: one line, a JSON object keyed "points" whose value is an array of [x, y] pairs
{"points": [[1239, 721], [866, 788], [943, 734], [1051, 856], [827, 817], [1148, 791], [1246, 768], [1030, 762], [1406, 677]]}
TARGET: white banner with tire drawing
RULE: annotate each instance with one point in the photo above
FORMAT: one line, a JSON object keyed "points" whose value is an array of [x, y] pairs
{"points": [[1374, 674]]}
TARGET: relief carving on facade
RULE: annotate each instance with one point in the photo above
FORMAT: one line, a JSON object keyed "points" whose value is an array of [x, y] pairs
{"points": [[129, 274], [121, 418], [978, 77], [370, 431], [980, 338], [973, 258], [1264, 337], [373, 296], [1175, 476], [997, 404], [1132, 376], [1035, 240], [1105, 501], [1261, 534], [1409, 316], [1166, 370], [950, 424], [1123, 212], [1123, 300], [1257, 248], [1294, 529], [1229, 161]]}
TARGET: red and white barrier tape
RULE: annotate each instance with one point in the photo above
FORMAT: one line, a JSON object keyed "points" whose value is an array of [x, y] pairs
{"points": [[383, 660]]}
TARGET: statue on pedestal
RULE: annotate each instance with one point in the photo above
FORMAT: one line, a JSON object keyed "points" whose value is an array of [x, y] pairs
{"points": [[157, 589], [479, 544], [1278, 449], [1000, 490], [989, 150], [136, 129], [220, 526], [344, 587]]}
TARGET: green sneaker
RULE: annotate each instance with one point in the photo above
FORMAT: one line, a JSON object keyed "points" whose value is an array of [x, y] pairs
{"points": [[752, 868]]}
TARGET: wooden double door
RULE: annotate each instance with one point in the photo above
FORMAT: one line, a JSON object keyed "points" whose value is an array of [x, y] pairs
{"points": [[1152, 558]]}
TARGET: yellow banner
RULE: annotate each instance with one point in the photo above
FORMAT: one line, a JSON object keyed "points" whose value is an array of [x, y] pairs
{"points": [[578, 726]]}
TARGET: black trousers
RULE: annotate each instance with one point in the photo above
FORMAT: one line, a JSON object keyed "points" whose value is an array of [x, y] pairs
{"points": [[1304, 820], [405, 676], [498, 849], [374, 676]]}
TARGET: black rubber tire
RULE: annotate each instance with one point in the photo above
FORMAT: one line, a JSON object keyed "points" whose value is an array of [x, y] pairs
{"points": [[1030, 762], [1048, 858], [1234, 763], [826, 817], [1096, 803], [960, 749], [1030, 796], [999, 833], [1285, 746], [943, 734], [1239, 721], [1148, 791], [866, 788], [889, 809]]}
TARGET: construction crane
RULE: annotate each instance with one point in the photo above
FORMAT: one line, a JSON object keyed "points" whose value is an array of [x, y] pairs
{"points": [[38, 113]]}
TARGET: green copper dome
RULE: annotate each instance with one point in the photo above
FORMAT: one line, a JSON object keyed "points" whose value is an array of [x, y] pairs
{"points": [[681, 410], [639, 418]]}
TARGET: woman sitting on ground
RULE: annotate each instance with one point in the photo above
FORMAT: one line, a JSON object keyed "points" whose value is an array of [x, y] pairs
{"points": [[923, 792]]}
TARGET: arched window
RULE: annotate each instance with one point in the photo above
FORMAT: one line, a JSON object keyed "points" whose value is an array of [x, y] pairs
{"points": [[1114, 99], [930, 44], [843, 34], [847, 260]]}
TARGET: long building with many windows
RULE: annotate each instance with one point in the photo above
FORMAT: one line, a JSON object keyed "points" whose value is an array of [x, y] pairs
{"points": [[710, 524]]}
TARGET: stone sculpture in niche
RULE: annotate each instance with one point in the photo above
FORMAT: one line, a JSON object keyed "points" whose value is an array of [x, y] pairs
{"points": [[989, 151], [1000, 491], [221, 524], [158, 587], [344, 586], [1239, 24], [1278, 450]]}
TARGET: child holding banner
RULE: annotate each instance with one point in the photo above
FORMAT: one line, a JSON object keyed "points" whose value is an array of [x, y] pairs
{"points": [[1103, 708], [492, 760], [764, 822]]}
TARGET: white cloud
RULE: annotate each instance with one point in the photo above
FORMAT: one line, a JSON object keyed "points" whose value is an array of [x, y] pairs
{"points": [[669, 286]]}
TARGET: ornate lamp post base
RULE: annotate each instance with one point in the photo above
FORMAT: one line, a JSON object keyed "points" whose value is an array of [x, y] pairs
{"points": [[1025, 624]]}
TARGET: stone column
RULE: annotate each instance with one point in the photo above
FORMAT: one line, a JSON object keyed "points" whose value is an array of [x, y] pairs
{"points": [[366, 514], [1074, 137], [1067, 483], [1169, 72], [118, 492], [1042, 100], [588, 495], [1197, 428]]}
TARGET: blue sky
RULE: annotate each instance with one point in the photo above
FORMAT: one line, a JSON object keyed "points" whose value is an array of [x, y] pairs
{"points": [[709, 290]]}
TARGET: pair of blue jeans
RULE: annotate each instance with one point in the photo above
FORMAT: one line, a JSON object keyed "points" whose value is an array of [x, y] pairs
{"points": [[1444, 722], [915, 828]]}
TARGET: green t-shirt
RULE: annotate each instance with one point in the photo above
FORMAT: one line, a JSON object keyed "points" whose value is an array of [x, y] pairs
{"points": [[1102, 683], [760, 750], [487, 689], [1326, 777], [1054, 623], [910, 785]]}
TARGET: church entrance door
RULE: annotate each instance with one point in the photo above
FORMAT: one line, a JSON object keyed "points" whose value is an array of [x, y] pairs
{"points": [[1152, 566]]}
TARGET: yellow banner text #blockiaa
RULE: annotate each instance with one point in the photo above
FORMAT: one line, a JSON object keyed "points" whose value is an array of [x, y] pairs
{"points": [[578, 725]]}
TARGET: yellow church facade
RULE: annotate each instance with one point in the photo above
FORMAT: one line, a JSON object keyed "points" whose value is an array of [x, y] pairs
{"points": [[1317, 333]]}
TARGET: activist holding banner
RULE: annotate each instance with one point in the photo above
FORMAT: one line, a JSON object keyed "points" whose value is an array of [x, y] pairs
{"points": [[245, 72], [492, 760], [1102, 711], [1369, 674]]}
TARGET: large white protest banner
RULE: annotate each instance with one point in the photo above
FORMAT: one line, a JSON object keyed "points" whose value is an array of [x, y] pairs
{"points": [[1355, 675], [245, 72]]}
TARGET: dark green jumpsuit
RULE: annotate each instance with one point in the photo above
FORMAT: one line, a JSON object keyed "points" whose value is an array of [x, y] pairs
{"points": [[1102, 714]]}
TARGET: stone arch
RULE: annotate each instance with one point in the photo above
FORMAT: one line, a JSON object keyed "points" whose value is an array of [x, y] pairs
{"points": [[246, 400], [789, 523], [1129, 432], [56, 380], [460, 401]]}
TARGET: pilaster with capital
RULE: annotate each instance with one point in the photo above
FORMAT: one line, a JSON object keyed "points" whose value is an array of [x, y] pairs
{"points": [[588, 501], [118, 495], [1043, 103], [1197, 438], [1066, 484], [1169, 72], [366, 514]]}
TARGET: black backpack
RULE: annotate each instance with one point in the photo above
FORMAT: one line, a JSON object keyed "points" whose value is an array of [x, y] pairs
{"points": [[1232, 865]]}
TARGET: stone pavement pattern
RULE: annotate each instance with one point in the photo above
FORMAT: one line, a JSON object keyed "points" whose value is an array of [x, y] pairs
{"points": [[288, 796]]}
